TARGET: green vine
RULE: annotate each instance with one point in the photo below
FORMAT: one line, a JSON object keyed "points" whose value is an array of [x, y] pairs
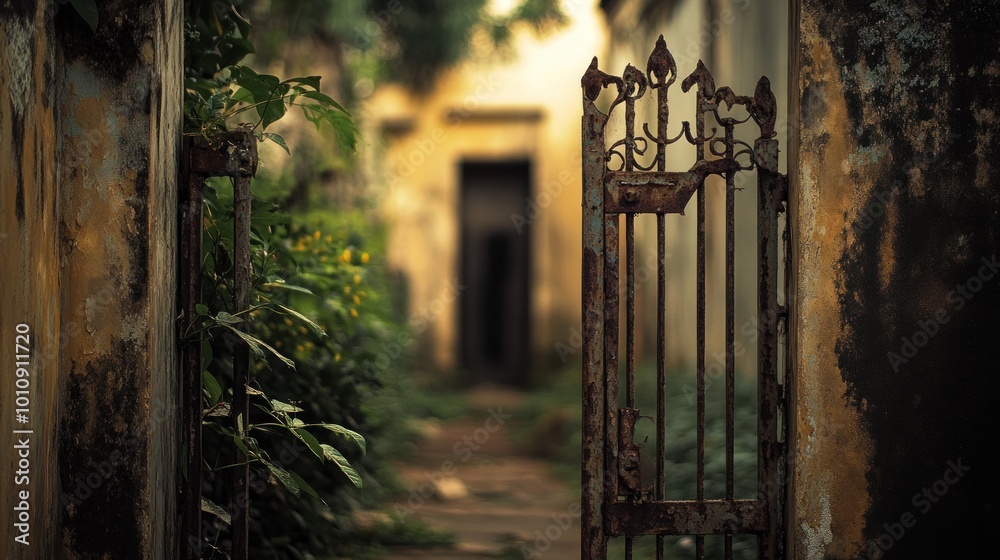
{"points": [[221, 94]]}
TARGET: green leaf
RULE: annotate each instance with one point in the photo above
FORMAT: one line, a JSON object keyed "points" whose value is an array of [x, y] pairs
{"points": [[242, 23], [285, 286], [310, 441], [277, 139], [201, 309], [332, 454], [233, 50], [358, 438], [227, 319], [283, 476], [345, 131], [240, 444], [279, 406], [87, 10], [316, 328], [272, 111], [324, 99], [208, 506], [311, 81], [302, 484], [256, 343], [241, 95], [211, 387], [206, 353]]}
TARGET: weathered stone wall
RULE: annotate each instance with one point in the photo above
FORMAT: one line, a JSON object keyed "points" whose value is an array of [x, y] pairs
{"points": [[91, 122], [896, 212], [29, 288]]}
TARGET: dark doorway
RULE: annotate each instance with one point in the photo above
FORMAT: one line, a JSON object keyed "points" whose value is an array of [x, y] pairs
{"points": [[493, 333]]}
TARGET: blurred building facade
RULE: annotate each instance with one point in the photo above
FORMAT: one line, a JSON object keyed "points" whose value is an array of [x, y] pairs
{"points": [[482, 187]]}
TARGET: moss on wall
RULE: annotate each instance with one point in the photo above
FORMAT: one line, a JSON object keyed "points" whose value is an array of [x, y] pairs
{"points": [[897, 213]]}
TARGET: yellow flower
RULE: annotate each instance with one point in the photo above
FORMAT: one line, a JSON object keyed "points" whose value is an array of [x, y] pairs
{"points": [[354, 313], [347, 289], [357, 300], [316, 235], [364, 258], [322, 259], [346, 256], [288, 321], [310, 346], [329, 239], [336, 357], [357, 278], [303, 330], [300, 348], [277, 344]]}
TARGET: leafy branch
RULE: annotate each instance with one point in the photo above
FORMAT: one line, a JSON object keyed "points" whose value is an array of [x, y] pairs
{"points": [[212, 106]]}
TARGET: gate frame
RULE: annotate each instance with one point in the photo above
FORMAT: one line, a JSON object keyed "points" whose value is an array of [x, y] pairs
{"points": [[607, 464]]}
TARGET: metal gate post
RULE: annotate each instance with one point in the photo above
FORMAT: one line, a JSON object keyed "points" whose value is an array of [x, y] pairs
{"points": [[771, 454], [232, 154], [190, 296], [594, 408]]}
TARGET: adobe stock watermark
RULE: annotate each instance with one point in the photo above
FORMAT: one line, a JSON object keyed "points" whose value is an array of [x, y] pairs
{"points": [[929, 328], [710, 30], [464, 449], [751, 329], [428, 145], [923, 501], [551, 190], [418, 322], [379, 21], [544, 538]]}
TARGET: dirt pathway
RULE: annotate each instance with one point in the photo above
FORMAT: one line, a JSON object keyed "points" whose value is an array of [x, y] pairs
{"points": [[496, 501]]}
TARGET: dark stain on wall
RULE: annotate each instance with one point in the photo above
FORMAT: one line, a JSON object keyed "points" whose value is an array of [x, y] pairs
{"points": [[104, 482], [116, 48], [17, 136], [138, 284], [919, 290]]}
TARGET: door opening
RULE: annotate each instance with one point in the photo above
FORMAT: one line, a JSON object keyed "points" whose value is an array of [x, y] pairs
{"points": [[493, 333]]}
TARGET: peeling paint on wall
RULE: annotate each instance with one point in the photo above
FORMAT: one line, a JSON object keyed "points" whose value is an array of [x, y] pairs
{"points": [[896, 209], [90, 128]]}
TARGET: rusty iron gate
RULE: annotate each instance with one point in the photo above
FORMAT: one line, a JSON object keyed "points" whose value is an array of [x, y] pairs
{"points": [[232, 154], [615, 501]]}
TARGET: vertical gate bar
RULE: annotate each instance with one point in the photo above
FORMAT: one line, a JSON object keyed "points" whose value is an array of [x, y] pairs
{"points": [[769, 453], [612, 347], [241, 363], [730, 334], [593, 544], [630, 310], [629, 330], [703, 106], [630, 256], [190, 275], [659, 67], [661, 372]]}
